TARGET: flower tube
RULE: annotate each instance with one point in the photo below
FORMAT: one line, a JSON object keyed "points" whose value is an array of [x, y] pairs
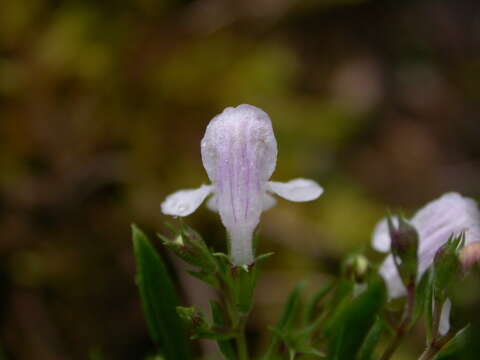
{"points": [[239, 153]]}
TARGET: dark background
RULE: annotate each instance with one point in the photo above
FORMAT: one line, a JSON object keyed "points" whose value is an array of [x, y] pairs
{"points": [[102, 108]]}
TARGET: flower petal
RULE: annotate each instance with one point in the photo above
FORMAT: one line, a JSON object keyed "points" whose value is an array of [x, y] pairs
{"points": [[241, 249], [239, 153], [185, 202], [381, 235], [268, 202], [435, 223], [296, 190], [439, 219], [389, 273], [444, 326], [243, 138], [212, 203]]}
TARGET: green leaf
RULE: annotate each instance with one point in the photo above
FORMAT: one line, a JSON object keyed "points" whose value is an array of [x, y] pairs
{"points": [[207, 278], [339, 300], [290, 309], [159, 300], [286, 320], [452, 349], [423, 295], [372, 339], [311, 308], [312, 352], [351, 326], [225, 346], [428, 307], [261, 258]]}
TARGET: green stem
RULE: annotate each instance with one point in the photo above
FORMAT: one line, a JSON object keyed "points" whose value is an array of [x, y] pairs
{"points": [[241, 341], [434, 347], [404, 324], [428, 354], [436, 343], [437, 312], [237, 320]]}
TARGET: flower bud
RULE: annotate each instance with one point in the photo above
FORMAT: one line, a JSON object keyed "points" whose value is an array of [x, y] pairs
{"points": [[189, 246], [194, 319], [356, 267], [404, 246], [447, 265], [470, 256]]}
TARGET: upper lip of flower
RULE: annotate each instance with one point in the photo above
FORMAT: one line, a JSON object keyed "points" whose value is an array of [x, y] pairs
{"points": [[239, 153]]}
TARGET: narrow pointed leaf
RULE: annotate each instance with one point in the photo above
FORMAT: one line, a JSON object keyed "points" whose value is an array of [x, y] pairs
{"points": [[453, 349], [371, 341], [286, 319], [422, 294], [290, 309], [225, 346], [159, 300], [311, 307], [352, 325]]}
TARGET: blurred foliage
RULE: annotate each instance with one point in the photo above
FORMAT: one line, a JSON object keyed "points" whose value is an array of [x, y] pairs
{"points": [[103, 105]]}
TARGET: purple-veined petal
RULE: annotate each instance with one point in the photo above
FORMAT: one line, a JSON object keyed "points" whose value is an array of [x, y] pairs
{"points": [[185, 202], [239, 153], [268, 202], [448, 215], [297, 190]]}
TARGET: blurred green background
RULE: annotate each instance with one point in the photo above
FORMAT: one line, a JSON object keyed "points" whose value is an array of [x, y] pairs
{"points": [[102, 108]]}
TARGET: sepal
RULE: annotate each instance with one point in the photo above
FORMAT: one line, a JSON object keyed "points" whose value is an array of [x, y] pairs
{"points": [[243, 280], [404, 248], [240, 280], [194, 320], [199, 326], [190, 247], [447, 267]]}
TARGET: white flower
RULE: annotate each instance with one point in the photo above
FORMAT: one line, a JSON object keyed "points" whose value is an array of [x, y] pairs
{"points": [[239, 153], [448, 215]]}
